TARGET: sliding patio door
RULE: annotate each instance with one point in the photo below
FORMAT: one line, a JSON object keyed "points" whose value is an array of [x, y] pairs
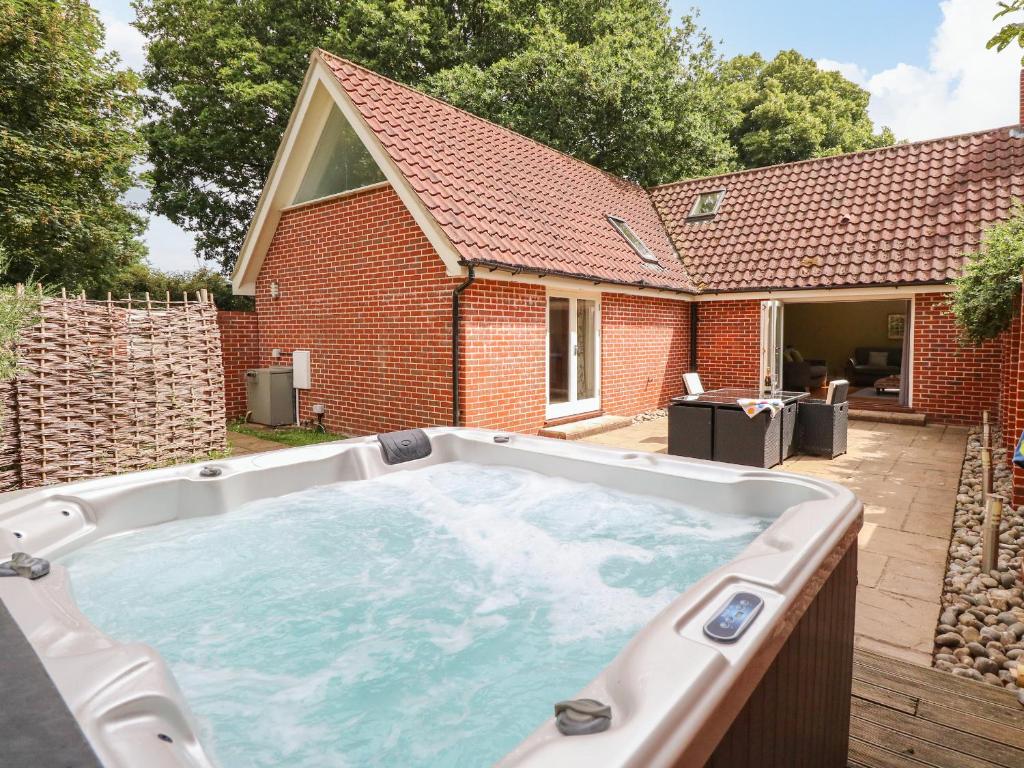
{"points": [[574, 351], [771, 347]]}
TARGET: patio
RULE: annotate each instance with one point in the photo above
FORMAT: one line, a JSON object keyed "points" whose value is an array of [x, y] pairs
{"points": [[907, 477]]}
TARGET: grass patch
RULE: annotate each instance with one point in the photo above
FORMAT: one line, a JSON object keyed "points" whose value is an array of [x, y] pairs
{"points": [[286, 435]]}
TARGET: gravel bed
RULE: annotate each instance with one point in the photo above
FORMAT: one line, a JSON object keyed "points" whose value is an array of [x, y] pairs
{"points": [[980, 634], [658, 413]]}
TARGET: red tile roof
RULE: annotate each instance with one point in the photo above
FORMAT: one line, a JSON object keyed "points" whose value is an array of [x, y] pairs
{"points": [[503, 199], [902, 214]]}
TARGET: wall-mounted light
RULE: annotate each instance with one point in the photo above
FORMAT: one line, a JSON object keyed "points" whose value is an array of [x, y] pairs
{"points": [[275, 290]]}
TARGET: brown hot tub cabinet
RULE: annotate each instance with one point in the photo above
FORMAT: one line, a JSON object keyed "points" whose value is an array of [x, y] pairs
{"points": [[798, 712]]}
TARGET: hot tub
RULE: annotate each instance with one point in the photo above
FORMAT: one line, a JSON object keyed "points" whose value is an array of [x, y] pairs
{"points": [[716, 602]]}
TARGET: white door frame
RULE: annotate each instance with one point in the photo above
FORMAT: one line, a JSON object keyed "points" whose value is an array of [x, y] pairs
{"points": [[772, 339], [908, 363], [572, 406]]}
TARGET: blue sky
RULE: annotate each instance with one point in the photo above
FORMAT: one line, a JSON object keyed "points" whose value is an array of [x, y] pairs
{"points": [[874, 33], [924, 63]]}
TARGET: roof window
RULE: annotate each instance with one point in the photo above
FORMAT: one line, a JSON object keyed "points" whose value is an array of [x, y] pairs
{"points": [[633, 239], [706, 205]]}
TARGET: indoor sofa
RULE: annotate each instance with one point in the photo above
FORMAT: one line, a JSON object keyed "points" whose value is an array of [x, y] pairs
{"points": [[869, 364]]}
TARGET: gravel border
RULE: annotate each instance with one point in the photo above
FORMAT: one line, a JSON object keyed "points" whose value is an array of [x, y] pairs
{"points": [[658, 413], [980, 633]]}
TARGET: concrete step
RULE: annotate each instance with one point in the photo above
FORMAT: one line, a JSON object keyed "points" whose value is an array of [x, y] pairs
{"points": [[575, 430], [889, 417]]}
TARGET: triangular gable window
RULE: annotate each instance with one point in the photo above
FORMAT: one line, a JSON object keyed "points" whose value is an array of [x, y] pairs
{"points": [[339, 163]]}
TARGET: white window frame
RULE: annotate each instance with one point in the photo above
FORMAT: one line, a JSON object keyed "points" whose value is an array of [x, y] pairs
{"points": [[572, 406], [639, 247], [707, 214]]}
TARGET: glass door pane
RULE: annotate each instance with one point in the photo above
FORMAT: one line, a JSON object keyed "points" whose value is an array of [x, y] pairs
{"points": [[559, 350], [771, 347], [586, 385]]}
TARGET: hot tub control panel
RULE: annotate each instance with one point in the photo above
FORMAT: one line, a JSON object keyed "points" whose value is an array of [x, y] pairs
{"points": [[734, 617]]}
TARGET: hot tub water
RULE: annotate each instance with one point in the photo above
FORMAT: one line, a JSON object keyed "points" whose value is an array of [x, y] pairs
{"points": [[427, 617]]}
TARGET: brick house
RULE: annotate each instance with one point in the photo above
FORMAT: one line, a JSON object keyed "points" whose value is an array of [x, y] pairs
{"points": [[442, 269]]}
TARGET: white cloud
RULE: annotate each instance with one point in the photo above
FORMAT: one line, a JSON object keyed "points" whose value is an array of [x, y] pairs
{"points": [[125, 40], [171, 248], [966, 87], [847, 69]]}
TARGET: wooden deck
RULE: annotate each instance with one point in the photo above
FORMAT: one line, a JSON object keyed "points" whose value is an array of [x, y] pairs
{"points": [[905, 716]]}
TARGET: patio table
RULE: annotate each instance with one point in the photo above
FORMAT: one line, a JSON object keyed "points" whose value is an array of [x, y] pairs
{"points": [[713, 426]]}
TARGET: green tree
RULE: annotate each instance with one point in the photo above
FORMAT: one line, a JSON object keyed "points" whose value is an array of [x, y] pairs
{"points": [[139, 279], [1012, 31], [788, 109], [626, 92], [986, 295], [67, 145], [608, 80]]}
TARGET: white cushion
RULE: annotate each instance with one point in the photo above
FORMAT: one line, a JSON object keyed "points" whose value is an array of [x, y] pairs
{"points": [[692, 383]]}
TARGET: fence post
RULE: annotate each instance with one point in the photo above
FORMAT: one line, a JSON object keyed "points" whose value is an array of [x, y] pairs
{"points": [[990, 533], [986, 456]]}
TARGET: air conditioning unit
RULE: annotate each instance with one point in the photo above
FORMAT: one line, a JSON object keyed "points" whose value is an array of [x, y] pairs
{"points": [[271, 399]]}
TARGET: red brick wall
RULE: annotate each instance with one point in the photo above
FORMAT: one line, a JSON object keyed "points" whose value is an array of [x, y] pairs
{"points": [[728, 343], [502, 370], [239, 344], [1008, 395], [645, 345], [952, 384], [365, 292], [1011, 396]]}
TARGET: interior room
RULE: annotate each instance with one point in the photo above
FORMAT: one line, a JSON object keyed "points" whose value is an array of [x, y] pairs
{"points": [[864, 342]]}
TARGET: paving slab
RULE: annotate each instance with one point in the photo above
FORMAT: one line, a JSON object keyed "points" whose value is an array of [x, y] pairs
{"points": [[241, 444], [907, 477]]}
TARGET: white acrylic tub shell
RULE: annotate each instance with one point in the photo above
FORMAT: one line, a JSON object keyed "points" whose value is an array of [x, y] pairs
{"points": [[662, 687]]}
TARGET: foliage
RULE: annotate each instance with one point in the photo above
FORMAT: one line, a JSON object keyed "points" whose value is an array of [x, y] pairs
{"points": [[985, 298], [580, 74], [67, 143], [139, 279], [623, 91], [1011, 32], [788, 109], [16, 312], [287, 435]]}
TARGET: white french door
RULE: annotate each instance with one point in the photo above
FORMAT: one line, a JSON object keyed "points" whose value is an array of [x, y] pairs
{"points": [[771, 347], [573, 355]]}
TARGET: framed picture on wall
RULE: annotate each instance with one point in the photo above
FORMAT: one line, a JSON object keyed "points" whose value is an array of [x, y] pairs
{"points": [[897, 326]]}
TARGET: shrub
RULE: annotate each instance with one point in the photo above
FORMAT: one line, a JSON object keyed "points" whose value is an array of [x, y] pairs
{"points": [[985, 297], [139, 279]]}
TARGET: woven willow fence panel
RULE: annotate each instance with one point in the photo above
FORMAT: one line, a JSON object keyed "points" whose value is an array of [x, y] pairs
{"points": [[111, 386]]}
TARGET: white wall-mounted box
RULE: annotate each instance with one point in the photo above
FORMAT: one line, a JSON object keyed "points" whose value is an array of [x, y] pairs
{"points": [[301, 375]]}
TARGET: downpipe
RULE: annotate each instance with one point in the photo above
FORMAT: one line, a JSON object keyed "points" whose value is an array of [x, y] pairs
{"points": [[456, 316]]}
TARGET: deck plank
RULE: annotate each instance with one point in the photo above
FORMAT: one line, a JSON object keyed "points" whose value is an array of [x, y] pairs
{"points": [[999, 713], [932, 679], [905, 716]]}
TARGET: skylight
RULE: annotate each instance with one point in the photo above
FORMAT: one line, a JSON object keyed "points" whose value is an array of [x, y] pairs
{"points": [[707, 204], [633, 239]]}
